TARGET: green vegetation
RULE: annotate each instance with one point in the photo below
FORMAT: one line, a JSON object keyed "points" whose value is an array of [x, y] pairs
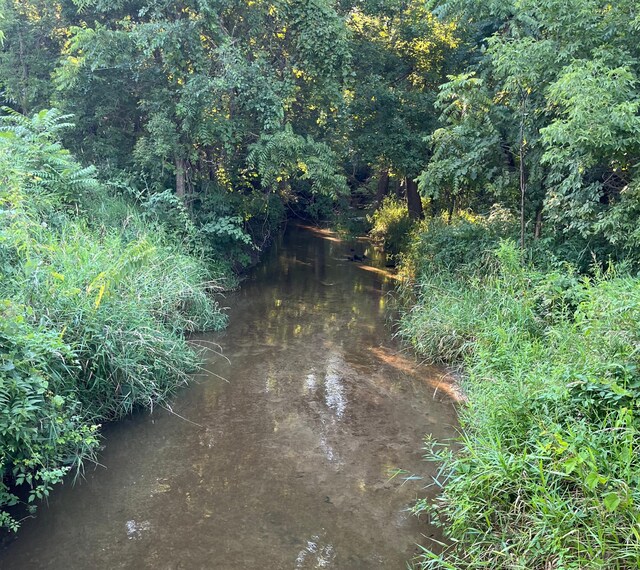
{"points": [[493, 147], [537, 299], [547, 475], [92, 313], [524, 275], [391, 225]]}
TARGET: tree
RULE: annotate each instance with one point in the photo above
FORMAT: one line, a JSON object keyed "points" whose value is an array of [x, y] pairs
{"points": [[400, 51], [33, 33], [558, 81]]}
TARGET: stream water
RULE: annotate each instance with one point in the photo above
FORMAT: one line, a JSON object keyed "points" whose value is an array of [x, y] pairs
{"points": [[287, 463]]}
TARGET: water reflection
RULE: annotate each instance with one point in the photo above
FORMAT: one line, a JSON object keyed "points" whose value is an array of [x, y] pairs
{"points": [[380, 271], [310, 382], [315, 555], [136, 529], [286, 464], [334, 395]]}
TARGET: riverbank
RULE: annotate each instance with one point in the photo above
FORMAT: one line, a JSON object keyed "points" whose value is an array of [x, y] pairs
{"points": [[294, 454], [547, 473], [96, 295]]}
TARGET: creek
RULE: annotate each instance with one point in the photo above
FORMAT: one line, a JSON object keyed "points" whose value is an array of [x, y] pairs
{"points": [[281, 455]]}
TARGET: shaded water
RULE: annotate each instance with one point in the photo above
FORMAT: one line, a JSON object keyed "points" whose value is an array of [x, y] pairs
{"points": [[285, 466]]}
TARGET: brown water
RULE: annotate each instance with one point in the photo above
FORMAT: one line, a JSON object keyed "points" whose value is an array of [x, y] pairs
{"points": [[287, 464]]}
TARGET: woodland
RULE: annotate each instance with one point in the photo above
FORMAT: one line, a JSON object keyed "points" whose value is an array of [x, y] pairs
{"points": [[151, 149]]}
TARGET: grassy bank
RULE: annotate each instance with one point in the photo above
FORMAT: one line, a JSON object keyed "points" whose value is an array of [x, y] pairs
{"points": [[548, 472], [95, 297]]}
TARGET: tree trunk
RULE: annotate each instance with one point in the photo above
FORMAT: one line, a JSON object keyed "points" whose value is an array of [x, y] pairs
{"points": [[414, 203], [25, 74], [451, 209], [523, 179], [383, 186], [400, 188], [181, 177], [538, 229]]}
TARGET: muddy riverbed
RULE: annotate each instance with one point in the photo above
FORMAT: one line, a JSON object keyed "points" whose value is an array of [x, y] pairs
{"points": [[287, 462]]}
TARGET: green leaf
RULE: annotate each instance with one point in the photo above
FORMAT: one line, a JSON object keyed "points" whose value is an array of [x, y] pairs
{"points": [[570, 465], [592, 480], [611, 501]]}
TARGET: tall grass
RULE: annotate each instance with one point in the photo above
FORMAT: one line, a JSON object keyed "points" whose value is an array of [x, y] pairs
{"points": [[548, 472], [122, 308], [95, 298]]}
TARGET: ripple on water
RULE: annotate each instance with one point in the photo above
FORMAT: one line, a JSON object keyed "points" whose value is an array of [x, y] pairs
{"points": [[136, 529], [328, 451], [315, 555]]}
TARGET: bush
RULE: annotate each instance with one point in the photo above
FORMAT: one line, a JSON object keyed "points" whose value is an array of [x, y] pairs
{"points": [[548, 471], [391, 225], [461, 244], [44, 431], [92, 311]]}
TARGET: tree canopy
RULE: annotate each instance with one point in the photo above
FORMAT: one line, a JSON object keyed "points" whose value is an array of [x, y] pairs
{"points": [[232, 104]]}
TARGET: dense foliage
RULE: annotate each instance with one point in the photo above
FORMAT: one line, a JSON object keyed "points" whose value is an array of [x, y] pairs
{"points": [[543, 118], [547, 474], [455, 128], [93, 310], [177, 94], [245, 108]]}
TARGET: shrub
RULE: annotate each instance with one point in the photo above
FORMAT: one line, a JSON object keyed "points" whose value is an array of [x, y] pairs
{"points": [[93, 311], [391, 225], [461, 244], [548, 471], [43, 431]]}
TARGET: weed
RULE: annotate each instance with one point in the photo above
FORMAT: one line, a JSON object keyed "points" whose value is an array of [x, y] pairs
{"points": [[547, 475]]}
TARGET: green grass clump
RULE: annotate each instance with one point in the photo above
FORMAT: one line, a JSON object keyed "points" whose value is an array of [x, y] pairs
{"points": [[93, 311], [391, 225], [547, 475]]}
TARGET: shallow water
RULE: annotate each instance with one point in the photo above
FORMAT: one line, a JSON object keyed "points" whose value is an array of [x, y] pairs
{"points": [[285, 464]]}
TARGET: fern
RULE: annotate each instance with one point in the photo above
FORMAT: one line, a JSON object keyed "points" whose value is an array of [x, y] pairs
{"points": [[33, 153]]}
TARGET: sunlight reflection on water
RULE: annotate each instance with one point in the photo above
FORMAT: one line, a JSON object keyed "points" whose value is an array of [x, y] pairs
{"points": [[333, 386]]}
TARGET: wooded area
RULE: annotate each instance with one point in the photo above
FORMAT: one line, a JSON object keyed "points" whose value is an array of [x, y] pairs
{"points": [[149, 149]]}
